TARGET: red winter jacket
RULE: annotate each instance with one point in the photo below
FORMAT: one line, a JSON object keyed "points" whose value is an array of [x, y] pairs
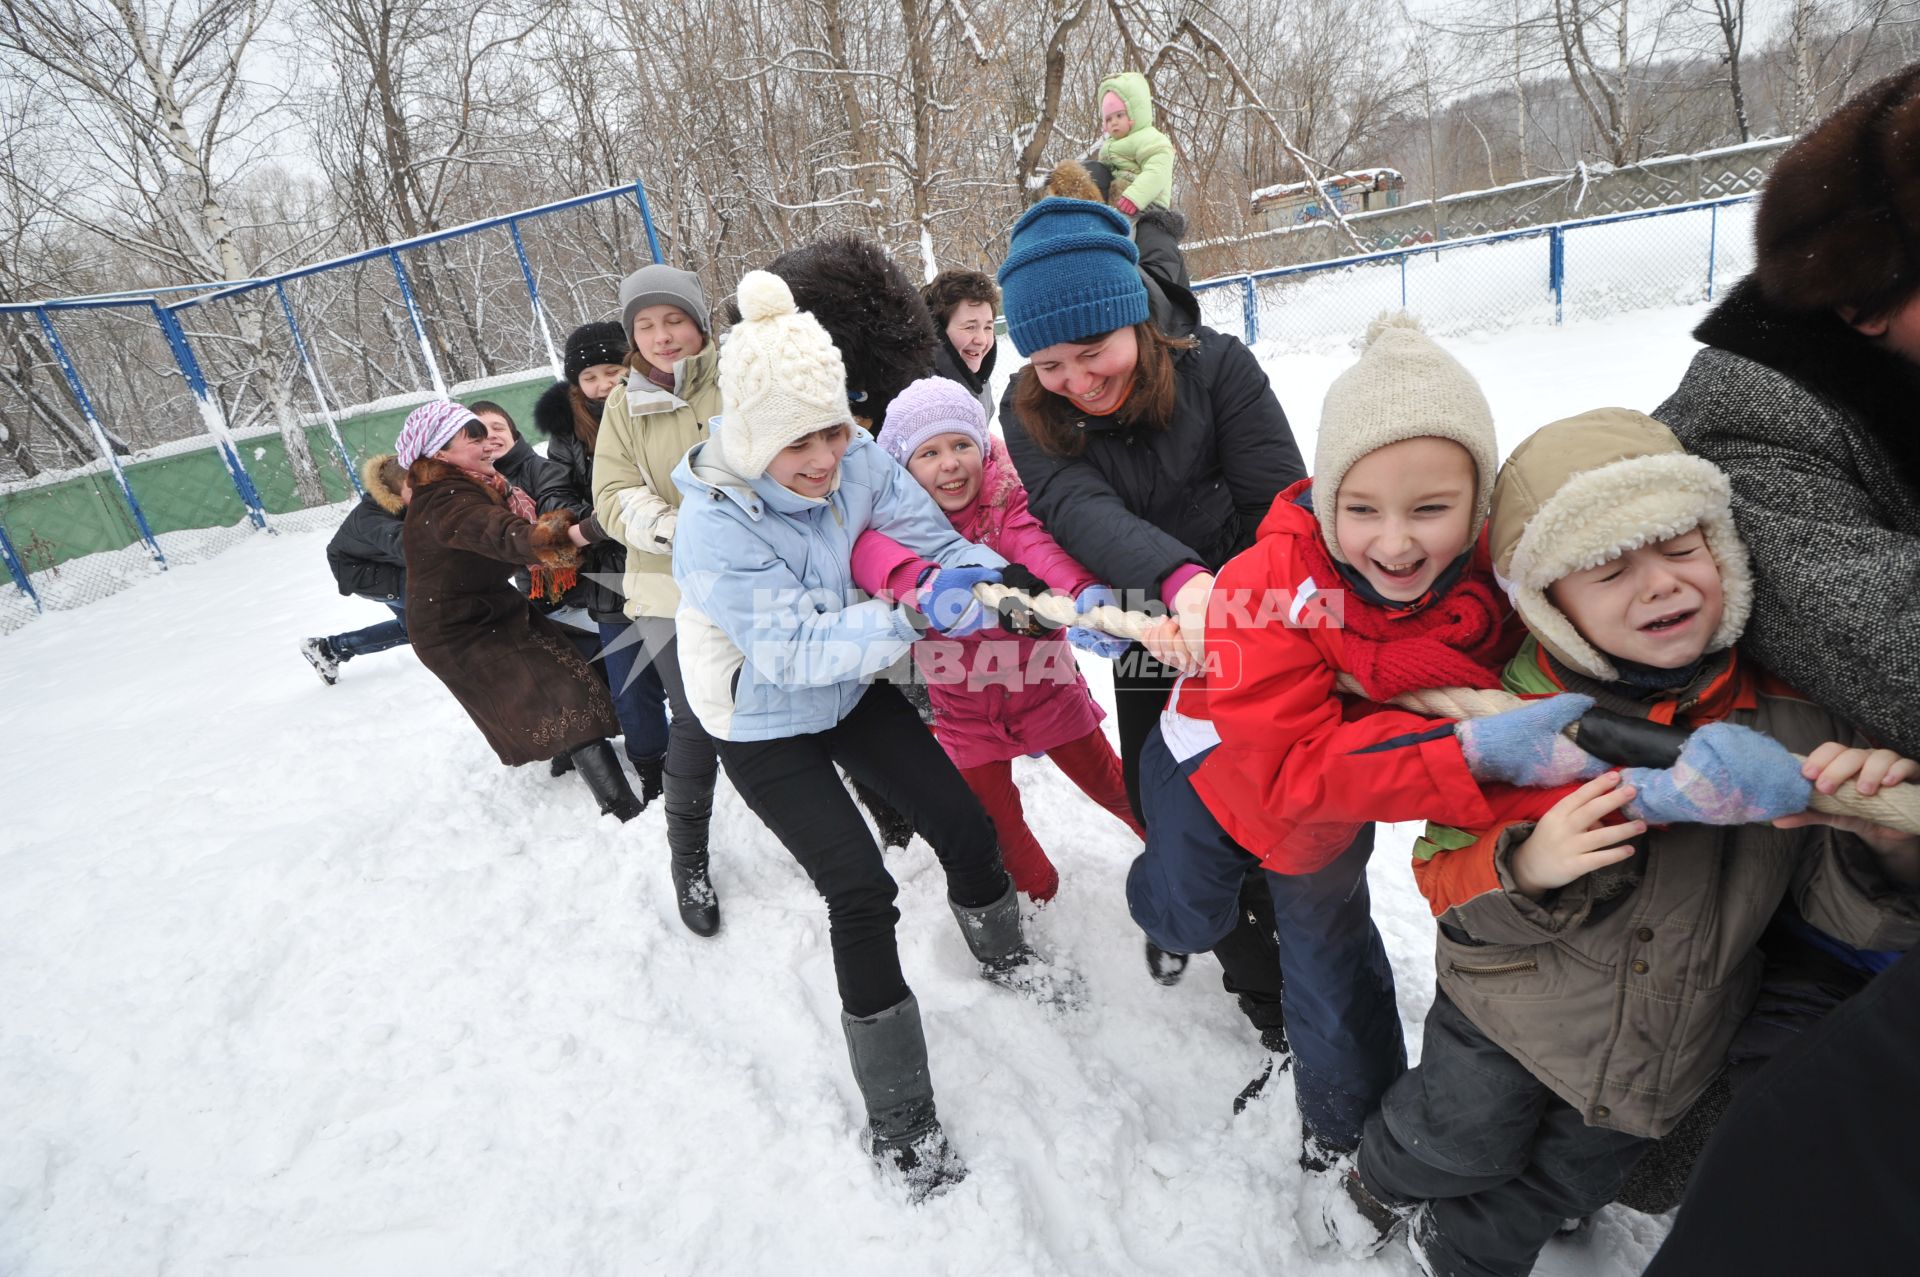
{"points": [[996, 695], [1299, 766]]}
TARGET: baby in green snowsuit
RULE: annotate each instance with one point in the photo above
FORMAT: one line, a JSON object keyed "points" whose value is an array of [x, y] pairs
{"points": [[1139, 155]]}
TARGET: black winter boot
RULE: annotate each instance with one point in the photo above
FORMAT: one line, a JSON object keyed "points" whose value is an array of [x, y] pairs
{"points": [[992, 933], [689, 814], [1279, 1058], [1359, 1223], [599, 766], [1164, 965], [889, 1055], [895, 830], [651, 772], [561, 765], [325, 661]]}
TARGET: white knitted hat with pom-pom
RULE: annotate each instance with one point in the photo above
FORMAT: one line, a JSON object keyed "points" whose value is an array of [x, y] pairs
{"points": [[1403, 387], [780, 377]]}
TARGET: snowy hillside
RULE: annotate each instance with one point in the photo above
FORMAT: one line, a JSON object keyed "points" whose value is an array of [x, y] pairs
{"points": [[300, 982]]}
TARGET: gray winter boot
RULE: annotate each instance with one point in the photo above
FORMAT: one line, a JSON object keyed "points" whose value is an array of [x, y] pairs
{"points": [[992, 933], [689, 812], [889, 1054]]}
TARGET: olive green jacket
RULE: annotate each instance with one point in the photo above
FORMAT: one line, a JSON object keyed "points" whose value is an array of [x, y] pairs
{"points": [[644, 431]]}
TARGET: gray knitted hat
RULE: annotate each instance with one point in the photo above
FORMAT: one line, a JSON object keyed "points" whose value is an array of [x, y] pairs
{"points": [[1403, 387], [659, 285]]}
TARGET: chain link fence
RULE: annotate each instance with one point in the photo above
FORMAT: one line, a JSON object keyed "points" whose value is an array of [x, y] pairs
{"points": [[145, 432], [1556, 274], [140, 432]]}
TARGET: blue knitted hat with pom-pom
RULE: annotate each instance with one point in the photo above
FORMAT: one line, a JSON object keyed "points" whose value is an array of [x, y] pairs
{"points": [[1071, 274]]}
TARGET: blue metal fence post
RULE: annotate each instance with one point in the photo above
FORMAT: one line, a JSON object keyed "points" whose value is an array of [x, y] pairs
{"points": [[419, 328], [1403, 280], [211, 417], [646, 219], [99, 433], [319, 395], [1713, 246], [533, 295], [1557, 271], [1249, 310], [18, 571]]}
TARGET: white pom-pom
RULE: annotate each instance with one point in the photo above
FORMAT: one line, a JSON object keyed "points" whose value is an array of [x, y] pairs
{"points": [[763, 295], [1388, 320]]}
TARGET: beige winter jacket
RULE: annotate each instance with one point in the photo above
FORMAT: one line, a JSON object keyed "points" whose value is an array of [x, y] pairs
{"points": [[1622, 991], [644, 431]]}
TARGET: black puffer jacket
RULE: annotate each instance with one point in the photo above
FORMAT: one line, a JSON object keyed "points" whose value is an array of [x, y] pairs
{"points": [[604, 561], [365, 552], [1815, 426], [1139, 503], [947, 363]]}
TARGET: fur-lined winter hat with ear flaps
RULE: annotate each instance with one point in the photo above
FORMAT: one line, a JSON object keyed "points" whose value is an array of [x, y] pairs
{"points": [[1586, 490], [1839, 221], [1403, 387], [872, 311], [781, 378]]}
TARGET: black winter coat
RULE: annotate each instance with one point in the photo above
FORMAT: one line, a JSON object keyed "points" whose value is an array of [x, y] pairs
{"points": [[1139, 503], [604, 561], [365, 552], [947, 363], [1815, 426]]}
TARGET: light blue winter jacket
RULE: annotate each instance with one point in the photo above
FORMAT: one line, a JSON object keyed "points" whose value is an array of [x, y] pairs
{"points": [[774, 638]]}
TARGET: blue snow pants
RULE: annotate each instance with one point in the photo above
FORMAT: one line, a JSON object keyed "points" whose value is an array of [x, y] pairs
{"points": [[1342, 1020]]}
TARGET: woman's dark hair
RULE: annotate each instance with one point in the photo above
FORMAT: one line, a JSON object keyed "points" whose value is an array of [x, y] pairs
{"points": [[479, 406], [1053, 421], [951, 287]]}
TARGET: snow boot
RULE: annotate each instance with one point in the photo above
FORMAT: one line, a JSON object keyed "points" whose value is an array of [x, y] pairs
{"points": [[895, 830], [561, 765], [1279, 1059], [1359, 1223], [599, 766], [992, 933], [325, 661], [651, 772], [1165, 966], [889, 1055], [689, 814]]}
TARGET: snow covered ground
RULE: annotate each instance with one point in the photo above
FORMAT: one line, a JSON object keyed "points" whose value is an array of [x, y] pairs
{"points": [[299, 982]]}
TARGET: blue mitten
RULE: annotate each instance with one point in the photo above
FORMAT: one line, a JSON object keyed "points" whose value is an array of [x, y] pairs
{"points": [[1726, 775], [1524, 746], [948, 603], [1099, 642]]}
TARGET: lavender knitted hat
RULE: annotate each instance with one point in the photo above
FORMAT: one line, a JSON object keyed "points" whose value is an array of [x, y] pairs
{"points": [[429, 428], [928, 408]]}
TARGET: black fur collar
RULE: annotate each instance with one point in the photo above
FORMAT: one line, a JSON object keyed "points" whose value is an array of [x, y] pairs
{"points": [[1876, 387], [553, 411]]}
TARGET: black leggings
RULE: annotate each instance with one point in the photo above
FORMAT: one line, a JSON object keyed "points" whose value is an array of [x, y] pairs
{"points": [[792, 786]]}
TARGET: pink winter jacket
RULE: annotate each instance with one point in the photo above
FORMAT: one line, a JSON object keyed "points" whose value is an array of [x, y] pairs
{"points": [[997, 695]]}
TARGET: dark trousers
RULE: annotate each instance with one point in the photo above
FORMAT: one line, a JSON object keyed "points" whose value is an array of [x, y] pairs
{"points": [[792, 786], [1500, 1159], [1342, 1019], [1811, 1170], [639, 698], [374, 638], [1140, 687]]}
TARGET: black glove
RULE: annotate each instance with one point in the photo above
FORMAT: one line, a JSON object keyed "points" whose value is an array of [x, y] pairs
{"points": [[1015, 616]]}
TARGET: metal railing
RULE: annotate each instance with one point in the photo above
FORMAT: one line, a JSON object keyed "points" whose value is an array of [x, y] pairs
{"points": [[218, 409], [1540, 275]]}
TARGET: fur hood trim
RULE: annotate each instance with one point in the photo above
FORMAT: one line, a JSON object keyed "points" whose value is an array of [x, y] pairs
{"points": [[385, 497], [876, 317], [1594, 487], [553, 411], [1070, 180]]}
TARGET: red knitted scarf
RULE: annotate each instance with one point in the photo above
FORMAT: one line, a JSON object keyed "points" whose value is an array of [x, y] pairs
{"points": [[548, 582], [1451, 641]]}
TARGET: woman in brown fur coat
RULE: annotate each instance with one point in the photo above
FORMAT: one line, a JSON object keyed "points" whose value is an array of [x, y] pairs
{"points": [[513, 671]]}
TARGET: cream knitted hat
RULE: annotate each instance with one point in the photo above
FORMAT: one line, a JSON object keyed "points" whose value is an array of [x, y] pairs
{"points": [[1403, 387], [781, 378]]}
